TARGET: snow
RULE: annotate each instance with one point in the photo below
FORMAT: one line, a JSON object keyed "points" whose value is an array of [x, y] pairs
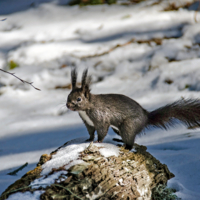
{"points": [[46, 181], [64, 157], [108, 150], [69, 155], [48, 39], [27, 195]]}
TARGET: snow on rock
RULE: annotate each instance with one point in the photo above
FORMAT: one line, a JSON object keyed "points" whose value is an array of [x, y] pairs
{"points": [[63, 157], [26, 195], [108, 150], [69, 155], [46, 181]]}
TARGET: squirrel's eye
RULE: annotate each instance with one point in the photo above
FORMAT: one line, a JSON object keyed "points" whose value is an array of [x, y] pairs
{"points": [[79, 99]]}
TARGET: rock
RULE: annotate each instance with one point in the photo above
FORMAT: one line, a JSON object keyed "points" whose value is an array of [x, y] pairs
{"points": [[130, 175]]}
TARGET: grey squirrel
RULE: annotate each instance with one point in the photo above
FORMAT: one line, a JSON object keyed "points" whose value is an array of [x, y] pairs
{"points": [[123, 114]]}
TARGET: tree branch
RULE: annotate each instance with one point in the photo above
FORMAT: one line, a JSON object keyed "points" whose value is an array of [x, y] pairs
{"points": [[14, 173], [23, 81]]}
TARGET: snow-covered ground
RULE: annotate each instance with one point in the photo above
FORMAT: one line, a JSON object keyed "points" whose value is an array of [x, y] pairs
{"points": [[47, 40]]}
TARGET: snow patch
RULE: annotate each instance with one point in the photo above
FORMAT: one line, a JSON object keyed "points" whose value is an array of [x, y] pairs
{"points": [[26, 195], [69, 155], [46, 181]]}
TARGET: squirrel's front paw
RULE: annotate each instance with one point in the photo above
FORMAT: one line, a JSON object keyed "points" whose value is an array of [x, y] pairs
{"points": [[98, 141]]}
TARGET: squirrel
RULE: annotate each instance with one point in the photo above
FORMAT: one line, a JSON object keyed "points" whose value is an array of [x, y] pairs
{"points": [[126, 117]]}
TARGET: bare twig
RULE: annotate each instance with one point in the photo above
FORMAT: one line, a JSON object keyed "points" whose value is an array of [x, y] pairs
{"points": [[158, 41], [23, 81], [3, 19], [14, 173], [108, 51]]}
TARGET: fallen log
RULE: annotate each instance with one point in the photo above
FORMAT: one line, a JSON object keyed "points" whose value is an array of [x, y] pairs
{"points": [[96, 171]]}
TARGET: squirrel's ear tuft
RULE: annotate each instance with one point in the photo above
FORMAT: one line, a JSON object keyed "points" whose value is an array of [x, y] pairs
{"points": [[73, 78], [86, 80]]}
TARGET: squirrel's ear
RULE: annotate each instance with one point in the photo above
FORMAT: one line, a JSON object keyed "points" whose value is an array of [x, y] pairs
{"points": [[86, 83], [73, 78]]}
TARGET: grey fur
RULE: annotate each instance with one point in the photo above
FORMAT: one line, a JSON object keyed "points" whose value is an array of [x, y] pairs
{"points": [[122, 112]]}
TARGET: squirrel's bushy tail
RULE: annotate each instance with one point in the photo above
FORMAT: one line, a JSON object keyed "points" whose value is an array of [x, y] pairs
{"points": [[187, 111]]}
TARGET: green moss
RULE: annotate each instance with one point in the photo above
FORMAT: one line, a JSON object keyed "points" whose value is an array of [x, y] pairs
{"points": [[187, 86], [111, 1], [126, 16], [12, 64], [163, 193]]}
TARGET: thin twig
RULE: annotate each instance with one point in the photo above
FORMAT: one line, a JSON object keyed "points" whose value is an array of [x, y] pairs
{"points": [[23, 81], [26, 187], [158, 41], [68, 191]]}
